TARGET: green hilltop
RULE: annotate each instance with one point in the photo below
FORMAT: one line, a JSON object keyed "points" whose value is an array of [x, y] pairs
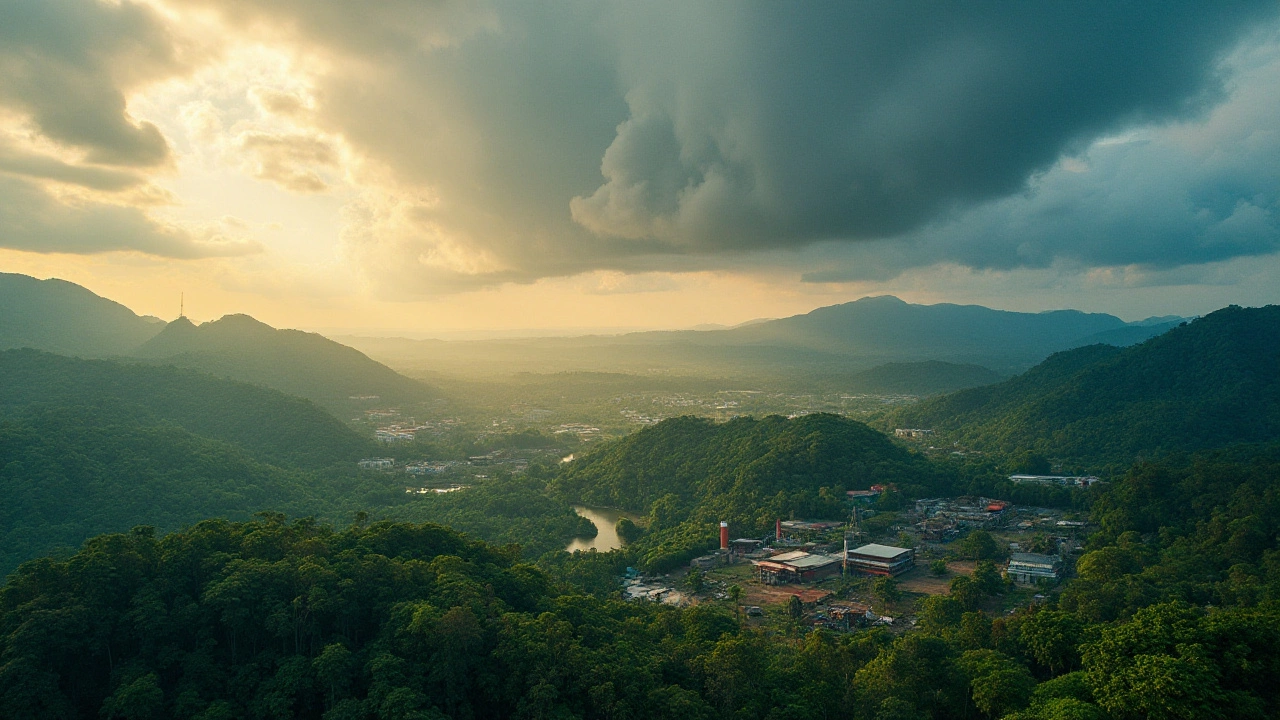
{"points": [[688, 473], [1208, 383]]}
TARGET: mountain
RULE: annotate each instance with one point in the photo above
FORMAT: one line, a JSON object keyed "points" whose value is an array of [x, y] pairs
{"points": [[831, 343], [689, 473], [1209, 383], [271, 426], [930, 377], [888, 327], [62, 317], [298, 363]]}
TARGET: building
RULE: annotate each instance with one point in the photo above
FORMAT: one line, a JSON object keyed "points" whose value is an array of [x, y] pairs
{"points": [[745, 546], [707, 562], [912, 433], [1064, 480], [377, 463], [796, 567], [1028, 568], [876, 559]]}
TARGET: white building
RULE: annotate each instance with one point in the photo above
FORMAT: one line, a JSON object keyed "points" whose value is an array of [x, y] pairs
{"points": [[1027, 568]]}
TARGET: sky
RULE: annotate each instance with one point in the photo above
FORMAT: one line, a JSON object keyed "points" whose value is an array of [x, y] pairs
{"points": [[434, 167]]}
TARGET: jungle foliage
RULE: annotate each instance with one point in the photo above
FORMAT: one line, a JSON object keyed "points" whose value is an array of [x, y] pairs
{"points": [[1209, 383], [687, 474]]}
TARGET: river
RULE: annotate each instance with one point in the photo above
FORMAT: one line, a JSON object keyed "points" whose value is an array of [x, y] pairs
{"points": [[605, 520]]}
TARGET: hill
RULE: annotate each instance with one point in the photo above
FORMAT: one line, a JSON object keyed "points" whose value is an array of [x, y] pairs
{"points": [[73, 473], [298, 363], [62, 317], [688, 473], [268, 424], [1208, 383]]}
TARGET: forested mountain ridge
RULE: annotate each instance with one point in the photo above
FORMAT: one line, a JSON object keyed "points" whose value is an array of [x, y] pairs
{"points": [[688, 473], [296, 362], [62, 317], [268, 424], [72, 473], [1208, 383]]}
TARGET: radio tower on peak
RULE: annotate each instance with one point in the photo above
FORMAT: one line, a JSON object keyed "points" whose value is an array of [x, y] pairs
{"points": [[182, 301]]}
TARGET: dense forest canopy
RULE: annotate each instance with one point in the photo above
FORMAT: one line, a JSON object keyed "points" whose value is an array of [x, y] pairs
{"points": [[271, 618], [1209, 383], [274, 427]]}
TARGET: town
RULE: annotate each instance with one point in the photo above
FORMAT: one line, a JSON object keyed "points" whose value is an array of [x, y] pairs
{"points": [[873, 569]]}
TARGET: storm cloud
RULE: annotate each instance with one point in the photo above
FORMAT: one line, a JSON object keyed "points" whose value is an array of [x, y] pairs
{"points": [[510, 141]]}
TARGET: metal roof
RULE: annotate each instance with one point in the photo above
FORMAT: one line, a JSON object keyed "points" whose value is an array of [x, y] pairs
{"points": [[786, 556], [812, 561], [886, 552], [1033, 559]]}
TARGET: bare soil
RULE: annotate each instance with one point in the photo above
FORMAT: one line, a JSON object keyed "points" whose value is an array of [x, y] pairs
{"points": [[920, 580]]}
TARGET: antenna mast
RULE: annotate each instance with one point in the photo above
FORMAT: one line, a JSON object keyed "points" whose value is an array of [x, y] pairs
{"points": [[182, 301]]}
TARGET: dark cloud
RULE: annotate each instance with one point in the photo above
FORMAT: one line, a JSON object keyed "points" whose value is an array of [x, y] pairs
{"points": [[721, 130], [1186, 194], [68, 63], [32, 220], [782, 126]]}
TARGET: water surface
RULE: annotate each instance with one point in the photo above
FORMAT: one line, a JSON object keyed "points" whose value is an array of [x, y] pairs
{"points": [[605, 520]]}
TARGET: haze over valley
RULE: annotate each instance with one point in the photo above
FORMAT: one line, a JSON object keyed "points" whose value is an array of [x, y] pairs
{"points": [[434, 361]]}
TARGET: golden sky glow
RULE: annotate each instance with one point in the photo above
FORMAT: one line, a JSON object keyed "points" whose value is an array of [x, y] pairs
{"points": [[440, 167]]}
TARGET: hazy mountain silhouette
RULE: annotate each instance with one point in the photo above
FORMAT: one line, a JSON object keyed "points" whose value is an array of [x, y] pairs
{"points": [[299, 363], [62, 317]]}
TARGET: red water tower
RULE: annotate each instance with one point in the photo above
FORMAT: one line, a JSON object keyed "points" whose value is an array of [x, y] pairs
{"points": [[724, 535]]}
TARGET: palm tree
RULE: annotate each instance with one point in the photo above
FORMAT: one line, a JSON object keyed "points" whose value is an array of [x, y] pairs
{"points": [[735, 594]]}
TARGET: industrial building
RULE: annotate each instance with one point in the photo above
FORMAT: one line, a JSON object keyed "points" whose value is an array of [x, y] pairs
{"points": [[377, 463], [796, 567], [881, 559], [1064, 480], [1027, 568]]}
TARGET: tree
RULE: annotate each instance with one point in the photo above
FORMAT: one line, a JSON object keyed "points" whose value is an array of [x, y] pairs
{"points": [[998, 684], [695, 580], [795, 607], [987, 578], [886, 588], [628, 530], [979, 545], [939, 613], [735, 594], [965, 591], [1051, 638], [938, 567]]}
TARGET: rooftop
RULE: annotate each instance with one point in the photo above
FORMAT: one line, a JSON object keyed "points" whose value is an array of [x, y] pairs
{"points": [[887, 552], [1033, 559]]}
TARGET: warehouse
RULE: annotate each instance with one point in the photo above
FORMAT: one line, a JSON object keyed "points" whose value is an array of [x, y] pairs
{"points": [[881, 559], [796, 567]]}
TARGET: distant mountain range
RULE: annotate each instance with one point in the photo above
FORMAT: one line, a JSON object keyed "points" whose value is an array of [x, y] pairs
{"points": [[1209, 383], [64, 318], [830, 347], [888, 328]]}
